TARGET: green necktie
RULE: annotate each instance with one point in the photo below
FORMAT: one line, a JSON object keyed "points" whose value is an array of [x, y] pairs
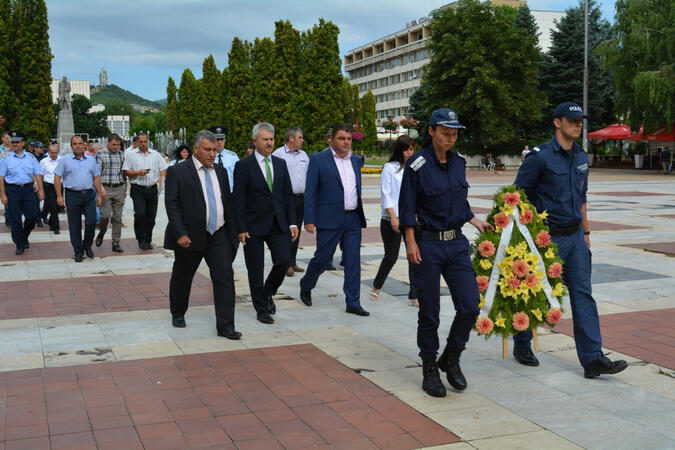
{"points": [[268, 171]]}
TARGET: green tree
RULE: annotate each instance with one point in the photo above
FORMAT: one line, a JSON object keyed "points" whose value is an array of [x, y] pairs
{"points": [[485, 69], [211, 91], [92, 124], [641, 58], [351, 104], [34, 56], [9, 104], [367, 119], [562, 70], [118, 108], [262, 55], [319, 99], [172, 106], [238, 96], [188, 97], [525, 21], [283, 86]]}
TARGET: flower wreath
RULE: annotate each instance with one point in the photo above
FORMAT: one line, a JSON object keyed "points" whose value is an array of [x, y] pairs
{"points": [[518, 270]]}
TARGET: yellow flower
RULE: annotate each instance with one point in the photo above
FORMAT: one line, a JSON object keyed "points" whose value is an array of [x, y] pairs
{"points": [[482, 302], [543, 215], [498, 229], [500, 322], [549, 253], [485, 264], [558, 290], [507, 209], [536, 313]]}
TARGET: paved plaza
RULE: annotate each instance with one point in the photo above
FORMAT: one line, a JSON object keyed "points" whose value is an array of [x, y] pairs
{"points": [[89, 359]]}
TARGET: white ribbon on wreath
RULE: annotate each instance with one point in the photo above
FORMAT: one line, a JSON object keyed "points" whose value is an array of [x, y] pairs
{"points": [[499, 257]]}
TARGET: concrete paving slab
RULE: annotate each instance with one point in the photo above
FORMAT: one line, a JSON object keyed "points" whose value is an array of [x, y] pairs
{"points": [[615, 434], [144, 351], [526, 441], [483, 422]]}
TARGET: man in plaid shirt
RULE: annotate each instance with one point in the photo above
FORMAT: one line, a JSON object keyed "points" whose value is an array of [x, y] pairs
{"points": [[110, 162]]}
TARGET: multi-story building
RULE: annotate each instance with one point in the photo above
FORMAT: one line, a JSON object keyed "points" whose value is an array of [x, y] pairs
{"points": [[119, 125], [392, 66], [81, 87]]}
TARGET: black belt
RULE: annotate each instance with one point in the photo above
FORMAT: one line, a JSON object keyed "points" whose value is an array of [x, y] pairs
{"points": [[564, 231], [75, 191], [144, 187], [113, 185], [447, 235], [21, 185], [350, 211], [299, 195]]}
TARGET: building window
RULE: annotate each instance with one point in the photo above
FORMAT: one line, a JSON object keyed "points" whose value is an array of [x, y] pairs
{"points": [[373, 84], [421, 54]]}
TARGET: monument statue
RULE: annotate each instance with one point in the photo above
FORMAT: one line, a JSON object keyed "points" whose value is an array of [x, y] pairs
{"points": [[103, 78], [66, 128]]}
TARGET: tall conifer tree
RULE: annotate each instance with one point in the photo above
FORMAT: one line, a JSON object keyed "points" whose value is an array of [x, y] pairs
{"points": [[368, 121], [8, 102], [188, 97], [172, 106], [262, 55], [212, 100], [238, 96], [284, 72]]}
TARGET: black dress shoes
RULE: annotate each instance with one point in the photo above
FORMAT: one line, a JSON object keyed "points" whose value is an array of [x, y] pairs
{"points": [[271, 307], [39, 223], [141, 245], [306, 297], [264, 317], [78, 258], [604, 365], [57, 231], [99, 239], [525, 356], [178, 322], [330, 267], [359, 311], [27, 244], [89, 252], [19, 251], [116, 248], [229, 334], [148, 245]]}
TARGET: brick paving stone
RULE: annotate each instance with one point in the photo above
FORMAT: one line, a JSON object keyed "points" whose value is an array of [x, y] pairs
{"points": [[647, 335], [628, 194], [100, 407], [659, 247], [63, 250], [596, 225]]}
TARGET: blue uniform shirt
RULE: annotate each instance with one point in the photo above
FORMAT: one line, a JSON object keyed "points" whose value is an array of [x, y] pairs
{"points": [[432, 195], [556, 180], [77, 174], [19, 169], [228, 159]]}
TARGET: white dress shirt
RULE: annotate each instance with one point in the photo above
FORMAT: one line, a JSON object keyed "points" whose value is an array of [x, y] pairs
{"points": [[216, 190], [135, 160], [297, 163], [261, 163], [390, 187], [348, 178], [48, 166]]}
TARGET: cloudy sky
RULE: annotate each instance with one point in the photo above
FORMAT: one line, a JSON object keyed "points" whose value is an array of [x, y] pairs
{"points": [[141, 43]]}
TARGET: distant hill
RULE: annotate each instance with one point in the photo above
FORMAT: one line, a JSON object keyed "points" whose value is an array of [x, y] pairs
{"points": [[110, 93], [161, 101]]}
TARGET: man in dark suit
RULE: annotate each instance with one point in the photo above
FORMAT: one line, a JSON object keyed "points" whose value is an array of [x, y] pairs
{"points": [[201, 225], [334, 207], [265, 214]]}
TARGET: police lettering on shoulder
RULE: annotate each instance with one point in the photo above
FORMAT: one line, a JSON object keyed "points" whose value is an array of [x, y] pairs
{"points": [[555, 178], [433, 207]]}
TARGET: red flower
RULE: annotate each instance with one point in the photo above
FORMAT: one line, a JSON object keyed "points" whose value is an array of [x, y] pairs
{"points": [[486, 249], [520, 268], [511, 198], [521, 321], [531, 280], [553, 316], [543, 239], [554, 270], [482, 283], [514, 283], [526, 217], [484, 325], [501, 220]]}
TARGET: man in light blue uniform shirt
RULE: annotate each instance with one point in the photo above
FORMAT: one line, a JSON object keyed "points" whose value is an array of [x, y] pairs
{"points": [[19, 181], [226, 158], [79, 174]]}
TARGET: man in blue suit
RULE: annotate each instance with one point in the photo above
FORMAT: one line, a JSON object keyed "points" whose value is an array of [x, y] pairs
{"points": [[265, 213], [334, 208]]}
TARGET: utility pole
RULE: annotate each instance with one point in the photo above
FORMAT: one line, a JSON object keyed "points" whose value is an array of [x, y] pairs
{"points": [[585, 130]]}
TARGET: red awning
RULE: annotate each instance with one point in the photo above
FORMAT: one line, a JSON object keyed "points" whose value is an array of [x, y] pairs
{"points": [[663, 134], [638, 135], [615, 131]]}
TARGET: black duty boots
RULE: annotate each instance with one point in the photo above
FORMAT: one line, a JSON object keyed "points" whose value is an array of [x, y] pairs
{"points": [[432, 383], [449, 363]]}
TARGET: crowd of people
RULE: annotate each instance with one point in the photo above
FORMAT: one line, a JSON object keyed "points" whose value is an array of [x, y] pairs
{"points": [[215, 202]]}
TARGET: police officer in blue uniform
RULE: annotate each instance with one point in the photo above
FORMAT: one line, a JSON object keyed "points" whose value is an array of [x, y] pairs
{"points": [[433, 207], [224, 157], [555, 178], [19, 182]]}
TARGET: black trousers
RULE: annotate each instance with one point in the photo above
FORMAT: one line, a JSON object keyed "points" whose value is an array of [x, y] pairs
{"points": [[50, 212], [219, 255], [145, 210], [392, 245], [23, 202], [279, 243], [78, 203], [299, 217]]}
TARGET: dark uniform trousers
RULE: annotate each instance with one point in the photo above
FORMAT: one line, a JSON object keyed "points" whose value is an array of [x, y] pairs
{"points": [[78, 203], [145, 200], [576, 274], [452, 260], [279, 243], [299, 217], [219, 259], [22, 201], [50, 212], [392, 244]]}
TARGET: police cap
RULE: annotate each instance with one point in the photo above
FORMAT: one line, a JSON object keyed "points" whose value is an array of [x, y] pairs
{"points": [[446, 118], [220, 131], [16, 136], [570, 110]]}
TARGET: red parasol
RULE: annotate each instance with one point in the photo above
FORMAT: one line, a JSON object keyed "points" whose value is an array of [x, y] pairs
{"points": [[615, 131]]}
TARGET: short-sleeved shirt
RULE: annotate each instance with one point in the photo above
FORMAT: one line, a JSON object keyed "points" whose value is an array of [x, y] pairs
{"points": [[19, 169], [77, 174], [48, 167], [556, 180], [297, 163], [434, 195], [111, 166], [227, 158], [136, 160]]}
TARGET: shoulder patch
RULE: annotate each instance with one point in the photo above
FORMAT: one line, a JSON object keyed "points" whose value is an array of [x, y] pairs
{"points": [[536, 149], [461, 156], [418, 163]]}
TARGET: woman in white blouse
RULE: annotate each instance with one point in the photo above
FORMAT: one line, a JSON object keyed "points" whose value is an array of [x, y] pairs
{"points": [[390, 187], [181, 154]]}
